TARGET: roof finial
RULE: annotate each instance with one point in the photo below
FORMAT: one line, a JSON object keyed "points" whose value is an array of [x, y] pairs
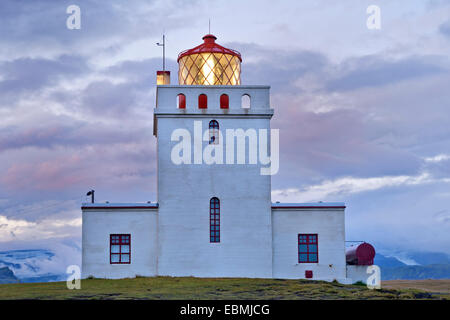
{"points": [[163, 44], [209, 26]]}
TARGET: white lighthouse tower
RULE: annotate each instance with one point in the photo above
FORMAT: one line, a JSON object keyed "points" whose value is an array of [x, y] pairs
{"points": [[214, 219], [214, 216]]}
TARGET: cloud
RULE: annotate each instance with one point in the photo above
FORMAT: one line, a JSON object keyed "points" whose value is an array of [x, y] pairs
{"points": [[438, 158], [343, 187], [28, 75], [444, 29], [370, 71], [443, 216], [39, 27], [23, 230], [281, 68], [360, 115]]}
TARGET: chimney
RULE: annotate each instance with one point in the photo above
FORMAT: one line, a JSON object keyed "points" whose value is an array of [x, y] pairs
{"points": [[162, 77]]}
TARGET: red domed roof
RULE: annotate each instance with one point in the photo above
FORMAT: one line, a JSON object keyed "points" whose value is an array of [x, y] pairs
{"points": [[209, 45]]}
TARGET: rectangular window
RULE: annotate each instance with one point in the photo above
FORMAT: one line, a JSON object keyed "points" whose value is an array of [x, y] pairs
{"points": [[308, 251], [119, 249], [214, 220]]}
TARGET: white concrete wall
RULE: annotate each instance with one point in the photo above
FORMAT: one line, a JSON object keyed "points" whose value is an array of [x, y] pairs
{"points": [[97, 226], [357, 273], [184, 191], [329, 224], [167, 94]]}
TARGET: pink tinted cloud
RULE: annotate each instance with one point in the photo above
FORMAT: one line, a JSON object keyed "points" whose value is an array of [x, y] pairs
{"points": [[50, 174]]}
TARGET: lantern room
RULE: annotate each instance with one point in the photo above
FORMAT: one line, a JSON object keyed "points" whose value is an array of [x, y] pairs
{"points": [[209, 64]]}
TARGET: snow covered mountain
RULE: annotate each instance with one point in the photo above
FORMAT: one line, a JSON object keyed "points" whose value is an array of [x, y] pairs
{"points": [[36, 265]]}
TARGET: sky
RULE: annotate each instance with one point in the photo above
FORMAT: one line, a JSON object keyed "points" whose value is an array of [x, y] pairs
{"points": [[363, 114]]}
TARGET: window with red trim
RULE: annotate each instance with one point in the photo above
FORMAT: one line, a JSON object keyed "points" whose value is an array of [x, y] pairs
{"points": [[119, 249], [213, 132], [202, 101], [214, 220], [308, 251], [224, 101], [181, 101]]}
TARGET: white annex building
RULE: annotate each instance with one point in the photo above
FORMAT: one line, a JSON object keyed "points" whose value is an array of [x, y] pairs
{"points": [[215, 219]]}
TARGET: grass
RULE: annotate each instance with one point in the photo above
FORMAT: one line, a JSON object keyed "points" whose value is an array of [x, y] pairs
{"points": [[436, 287], [206, 288]]}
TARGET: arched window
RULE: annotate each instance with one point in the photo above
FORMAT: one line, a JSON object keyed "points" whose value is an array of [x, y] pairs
{"points": [[213, 132], [224, 101], [245, 101], [214, 220], [181, 101], [202, 101]]}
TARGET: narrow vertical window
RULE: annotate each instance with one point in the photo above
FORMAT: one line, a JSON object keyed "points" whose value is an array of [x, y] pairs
{"points": [[308, 248], [120, 249], [213, 132], [245, 101], [214, 220], [202, 101], [224, 101], [181, 101]]}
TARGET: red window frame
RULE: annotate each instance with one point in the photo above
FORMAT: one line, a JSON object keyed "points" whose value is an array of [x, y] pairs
{"points": [[224, 101], [181, 101], [214, 220], [120, 240], [203, 101], [308, 246], [213, 132]]}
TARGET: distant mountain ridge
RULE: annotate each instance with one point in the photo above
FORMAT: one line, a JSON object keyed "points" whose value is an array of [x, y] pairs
{"points": [[417, 272], [7, 276], [431, 265], [29, 265]]}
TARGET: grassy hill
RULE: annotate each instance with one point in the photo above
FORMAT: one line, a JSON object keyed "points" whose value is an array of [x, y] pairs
{"points": [[206, 288]]}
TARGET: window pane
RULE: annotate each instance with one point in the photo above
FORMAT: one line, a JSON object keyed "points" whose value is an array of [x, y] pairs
{"points": [[313, 257], [125, 258], [115, 249], [303, 258], [313, 248], [114, 258], [125, 248], [303, 248]]}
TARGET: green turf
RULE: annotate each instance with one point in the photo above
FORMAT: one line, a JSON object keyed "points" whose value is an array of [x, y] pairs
{"points": [[204, 288]]}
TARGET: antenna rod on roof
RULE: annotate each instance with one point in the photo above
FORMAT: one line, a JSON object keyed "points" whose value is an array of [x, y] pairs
{"points": [[163, 44], [209, 26], [91, 193]]}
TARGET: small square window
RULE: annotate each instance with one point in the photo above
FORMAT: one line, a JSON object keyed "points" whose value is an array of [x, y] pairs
{"points": [[308, 250], [120, 249]]}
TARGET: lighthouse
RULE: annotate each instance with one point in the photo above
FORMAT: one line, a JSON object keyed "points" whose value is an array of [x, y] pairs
{"points": [[214, 215], [214, 219]]}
